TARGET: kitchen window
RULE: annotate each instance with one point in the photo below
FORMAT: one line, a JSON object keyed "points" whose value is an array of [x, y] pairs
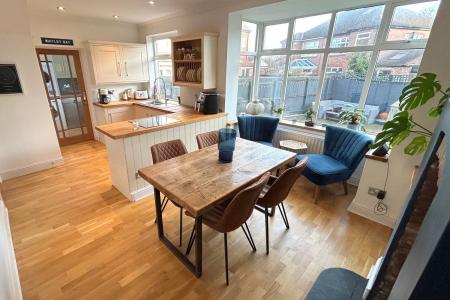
{"points": [[342, 60], [161, 65]]}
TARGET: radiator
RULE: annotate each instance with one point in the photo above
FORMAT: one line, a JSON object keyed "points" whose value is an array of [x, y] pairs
{"points": [[313, 141]]}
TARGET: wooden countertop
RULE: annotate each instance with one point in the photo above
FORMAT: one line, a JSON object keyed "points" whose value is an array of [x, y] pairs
{"points": [[184, 114]]}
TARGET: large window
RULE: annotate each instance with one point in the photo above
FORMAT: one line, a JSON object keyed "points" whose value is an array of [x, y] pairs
{"points": [[246, 65], [349, 59], [162, 66]]}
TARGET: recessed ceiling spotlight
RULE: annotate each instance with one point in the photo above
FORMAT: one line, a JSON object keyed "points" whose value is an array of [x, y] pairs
{"points": [[151, 2], [60, 8], [115, 16]]}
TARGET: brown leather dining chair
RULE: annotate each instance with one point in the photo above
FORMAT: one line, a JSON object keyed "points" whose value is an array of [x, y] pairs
{"points": [[207, 139], [276, 191], [231, 215], [164, 151]]}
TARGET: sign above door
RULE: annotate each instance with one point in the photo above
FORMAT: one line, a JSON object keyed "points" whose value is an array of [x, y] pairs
{"points": [[55, 41]]}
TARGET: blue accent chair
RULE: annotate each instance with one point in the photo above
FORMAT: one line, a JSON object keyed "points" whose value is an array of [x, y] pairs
{"points": [[260, 129], [343, 150]]}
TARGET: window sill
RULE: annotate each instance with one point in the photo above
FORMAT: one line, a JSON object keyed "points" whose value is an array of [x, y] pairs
{"points": [[370, 156], [316, 128]]}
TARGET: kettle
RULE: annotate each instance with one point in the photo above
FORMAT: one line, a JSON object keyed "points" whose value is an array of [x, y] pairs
{"points": [[130, 93]]}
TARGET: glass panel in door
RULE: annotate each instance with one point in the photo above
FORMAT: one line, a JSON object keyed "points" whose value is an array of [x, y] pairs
{"points": [[66, 95]]}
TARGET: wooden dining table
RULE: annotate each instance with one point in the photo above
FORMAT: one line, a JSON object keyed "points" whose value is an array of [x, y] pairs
{"points": [[198, 181]]}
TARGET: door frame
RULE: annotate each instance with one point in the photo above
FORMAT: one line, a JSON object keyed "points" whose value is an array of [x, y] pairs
{"points": [[82, 87]]}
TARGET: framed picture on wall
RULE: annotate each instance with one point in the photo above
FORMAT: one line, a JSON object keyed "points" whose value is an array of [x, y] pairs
{"points": [[9, 79]]}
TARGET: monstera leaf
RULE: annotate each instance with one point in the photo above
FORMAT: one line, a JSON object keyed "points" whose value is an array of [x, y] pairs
{"points": [[419, 91], [418, 145], [394, 131], [436, 111]]}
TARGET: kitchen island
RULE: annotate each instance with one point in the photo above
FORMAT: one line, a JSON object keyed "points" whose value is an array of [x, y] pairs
{"points": [[128, 145]]}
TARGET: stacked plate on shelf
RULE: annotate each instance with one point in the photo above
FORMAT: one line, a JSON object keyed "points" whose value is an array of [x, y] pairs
{"points": [[181, 73], [190, 75], [199, 74]]}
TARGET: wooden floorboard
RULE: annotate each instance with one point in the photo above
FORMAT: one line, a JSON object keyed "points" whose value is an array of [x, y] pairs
{"points": [[76, 237]]}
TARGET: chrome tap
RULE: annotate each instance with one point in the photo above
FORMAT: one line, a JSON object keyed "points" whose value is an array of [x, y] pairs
{"points": [[164, 88]]}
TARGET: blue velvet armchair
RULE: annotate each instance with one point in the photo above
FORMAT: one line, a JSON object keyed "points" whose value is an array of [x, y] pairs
{"points": [[343, 150], [259, 129]]}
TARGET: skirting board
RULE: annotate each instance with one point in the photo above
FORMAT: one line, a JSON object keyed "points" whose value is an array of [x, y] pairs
{"points": [[367, 212], [10, 274], [36, 167], [142, 193]]}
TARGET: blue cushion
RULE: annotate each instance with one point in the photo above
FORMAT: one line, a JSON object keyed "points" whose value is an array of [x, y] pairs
{"points": [[343, 150], [323, 169], [337, 284], [346, 145], [257, 128]]}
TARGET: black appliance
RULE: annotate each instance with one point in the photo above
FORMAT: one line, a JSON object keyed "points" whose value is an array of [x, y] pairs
{"points": [[208, 103], [104, 96]]}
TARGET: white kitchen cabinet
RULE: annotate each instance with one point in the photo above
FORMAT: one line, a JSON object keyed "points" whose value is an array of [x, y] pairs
{"points": [[107, 63], [120, 114], [204, 64], [144, 112], [135, 63], [119, 62]]}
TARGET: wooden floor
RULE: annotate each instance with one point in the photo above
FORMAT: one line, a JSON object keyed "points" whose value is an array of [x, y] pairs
{"points": [[76, 237]]}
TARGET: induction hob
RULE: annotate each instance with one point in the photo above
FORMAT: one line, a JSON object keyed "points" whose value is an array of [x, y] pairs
{"points": [[154, 121]]}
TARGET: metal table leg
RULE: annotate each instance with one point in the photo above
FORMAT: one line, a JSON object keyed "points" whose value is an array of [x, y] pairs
{"points": [[195, 269]]}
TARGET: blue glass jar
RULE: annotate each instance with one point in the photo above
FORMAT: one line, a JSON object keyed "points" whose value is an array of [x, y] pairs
{"points": [[227, 143]]}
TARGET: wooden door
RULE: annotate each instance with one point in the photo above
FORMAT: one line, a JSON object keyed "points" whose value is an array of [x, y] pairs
{"points": [[134, 61], [107, 64], [66, 94]]}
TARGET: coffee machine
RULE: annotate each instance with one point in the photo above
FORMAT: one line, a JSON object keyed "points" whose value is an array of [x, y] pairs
{"points": [[104, 96], [208, 102]]}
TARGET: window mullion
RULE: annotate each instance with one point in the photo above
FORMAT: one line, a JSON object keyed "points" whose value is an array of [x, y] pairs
{"points": [[259, 42], [286, 66], [324, 64], [382, 34]]}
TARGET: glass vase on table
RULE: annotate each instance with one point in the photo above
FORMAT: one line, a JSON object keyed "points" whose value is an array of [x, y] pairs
{"points": [[226, 145]]}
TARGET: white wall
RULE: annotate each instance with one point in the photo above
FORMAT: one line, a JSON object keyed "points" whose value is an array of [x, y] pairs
{"points": [[9, 276], [27, 136], [81, 30], [210, 21], [401, 166]]}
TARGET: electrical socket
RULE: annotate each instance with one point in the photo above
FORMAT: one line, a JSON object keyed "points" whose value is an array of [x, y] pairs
{"points": [[374, 191]]}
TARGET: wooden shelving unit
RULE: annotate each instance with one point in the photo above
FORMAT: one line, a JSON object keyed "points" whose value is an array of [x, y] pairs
{"points": [[195, 60]]}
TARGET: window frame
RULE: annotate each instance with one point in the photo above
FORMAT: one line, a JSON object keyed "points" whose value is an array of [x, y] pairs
{"points": [[380, 43], [153, 58]]}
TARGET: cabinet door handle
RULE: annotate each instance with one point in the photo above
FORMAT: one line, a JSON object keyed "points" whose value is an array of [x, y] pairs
{"points": [[126, 69], [118, 69], [110, 118]]}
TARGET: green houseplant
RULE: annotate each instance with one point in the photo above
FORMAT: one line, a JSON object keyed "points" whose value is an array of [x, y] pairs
{"points": [[417, 93], [309, 115], [354, 118], [279, 111]]}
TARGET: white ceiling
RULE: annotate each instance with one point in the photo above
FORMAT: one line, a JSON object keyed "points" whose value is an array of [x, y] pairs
{"points": [[134, 11]]}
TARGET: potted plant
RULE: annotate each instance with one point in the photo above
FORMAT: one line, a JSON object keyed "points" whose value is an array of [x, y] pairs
{"points": [[420, 90], [309, 115], [354, 118], [279, 111]]}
